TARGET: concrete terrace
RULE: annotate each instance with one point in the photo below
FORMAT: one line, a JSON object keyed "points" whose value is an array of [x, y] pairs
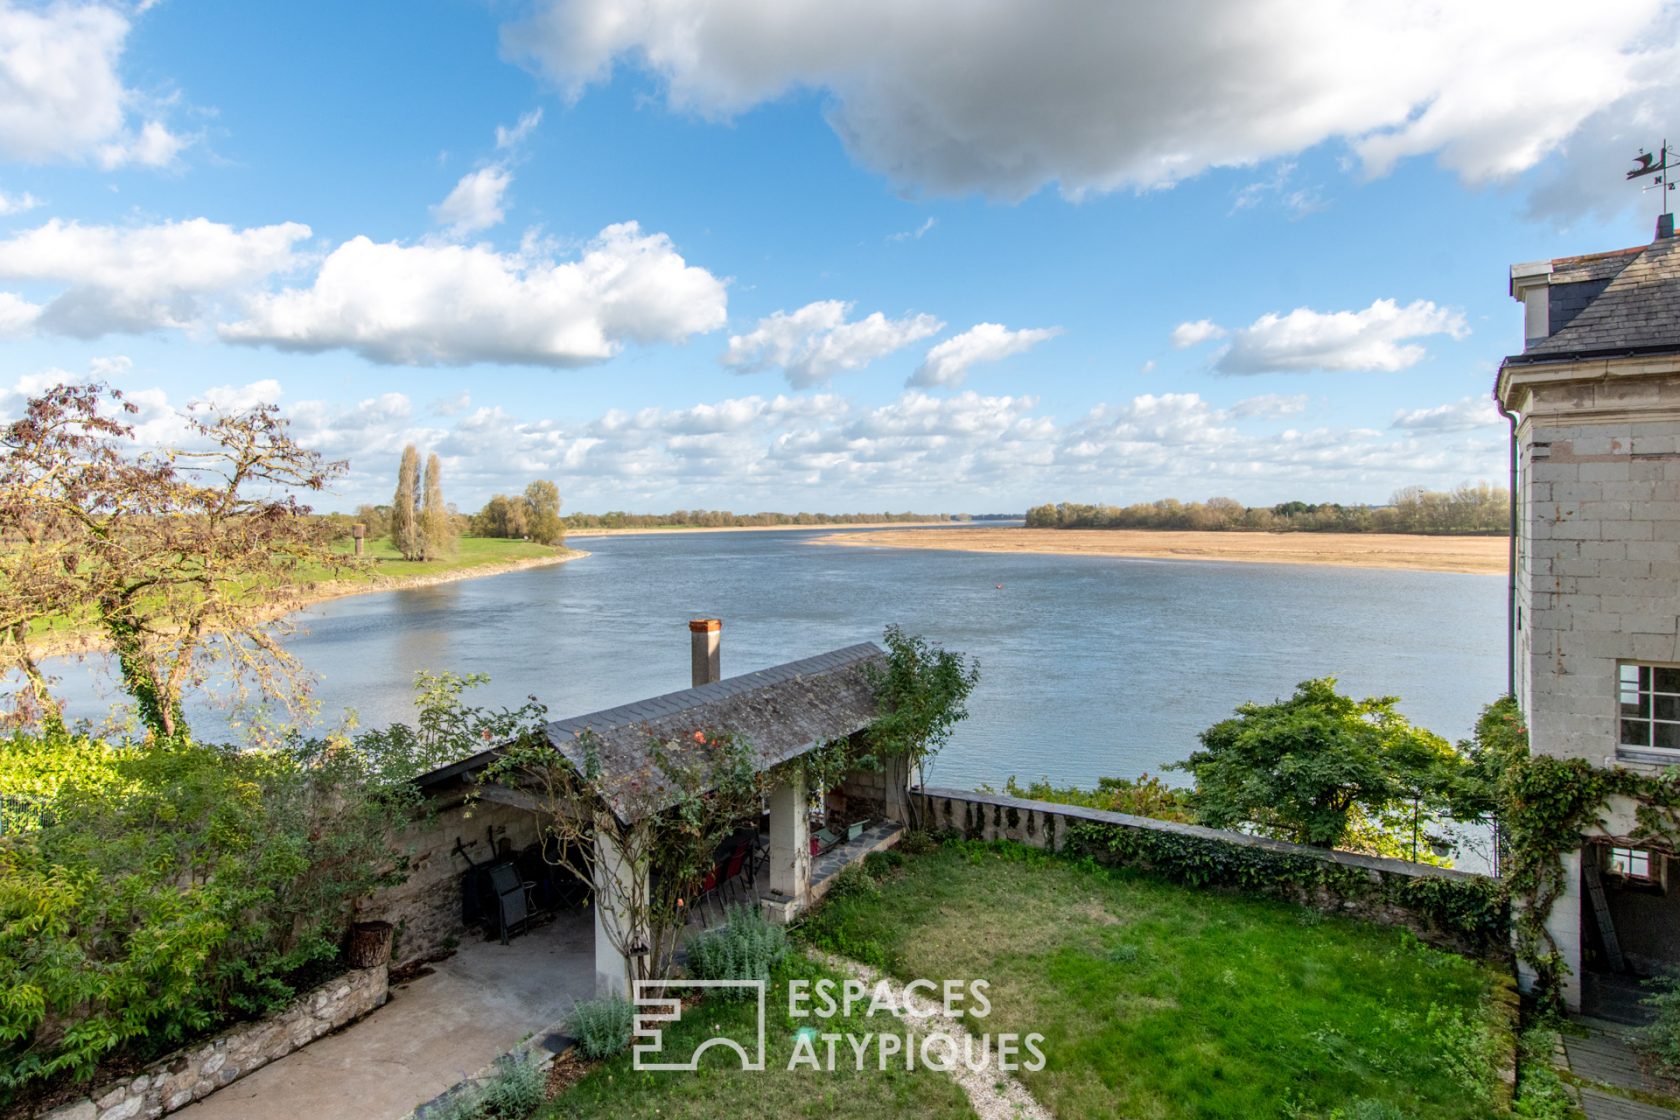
{"points": [[437, 1030]]}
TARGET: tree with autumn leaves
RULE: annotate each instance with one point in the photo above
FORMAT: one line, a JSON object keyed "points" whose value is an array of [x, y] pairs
{"points": [[183, 560]]}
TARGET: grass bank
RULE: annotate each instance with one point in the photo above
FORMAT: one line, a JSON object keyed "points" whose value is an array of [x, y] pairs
{"points": [[384, 570]]}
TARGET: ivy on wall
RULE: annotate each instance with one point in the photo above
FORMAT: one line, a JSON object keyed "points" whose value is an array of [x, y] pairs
{"points": [[1473, 913], [1549, 805]]}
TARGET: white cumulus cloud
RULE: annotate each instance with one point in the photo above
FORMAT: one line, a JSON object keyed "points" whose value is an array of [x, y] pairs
{"points": [[431, 305], [510, 138], [1186, 335], [1456, 416], [952, 96], [815, 342], [948, 363], [17, 203], [1378, 338], [476, 202], [61, 98], [17, 315], [120, 278]]}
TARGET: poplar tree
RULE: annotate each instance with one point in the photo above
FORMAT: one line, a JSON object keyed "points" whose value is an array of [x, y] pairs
{"points": [[405, 507], [437, 527]]}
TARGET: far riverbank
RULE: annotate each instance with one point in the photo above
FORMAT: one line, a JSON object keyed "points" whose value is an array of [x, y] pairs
{"points": [[1395, 551], [831, 527]]}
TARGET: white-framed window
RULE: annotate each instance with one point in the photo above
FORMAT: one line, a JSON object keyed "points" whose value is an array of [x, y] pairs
{"points": [[1650, 707], [1632, 863]]}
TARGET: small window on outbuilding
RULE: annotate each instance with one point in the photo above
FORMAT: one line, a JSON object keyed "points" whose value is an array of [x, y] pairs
{"points": [[1649, 696], [1630, 863]]}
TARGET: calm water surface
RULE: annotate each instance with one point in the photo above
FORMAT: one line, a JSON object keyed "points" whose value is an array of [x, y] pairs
{"points": [[1090, 666]]}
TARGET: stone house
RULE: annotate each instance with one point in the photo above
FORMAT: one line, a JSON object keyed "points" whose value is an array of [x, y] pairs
{"points": [[1594, 405]]}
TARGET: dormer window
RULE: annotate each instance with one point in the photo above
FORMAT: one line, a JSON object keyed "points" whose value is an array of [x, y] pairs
{"points": [[1649, 697]]}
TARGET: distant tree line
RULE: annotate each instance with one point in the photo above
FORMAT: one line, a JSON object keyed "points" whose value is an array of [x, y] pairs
{"points": [[723, 519], [1469, 509]]}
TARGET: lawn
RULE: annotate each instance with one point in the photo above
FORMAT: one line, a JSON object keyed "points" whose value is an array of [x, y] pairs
{"points": [[470, 552], [720, 1088], [1160, 1002]]}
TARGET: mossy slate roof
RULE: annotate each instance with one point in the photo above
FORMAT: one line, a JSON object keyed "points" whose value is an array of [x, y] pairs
{"points": [[1638, 312], [781, 712]]}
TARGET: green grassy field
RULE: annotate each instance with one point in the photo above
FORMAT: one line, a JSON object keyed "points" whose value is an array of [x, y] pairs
{"points": [[384, 565], [1161, 1002], [720, 1088]]}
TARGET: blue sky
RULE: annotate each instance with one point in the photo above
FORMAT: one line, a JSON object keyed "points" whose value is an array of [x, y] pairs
{"points": [[949, 256]]}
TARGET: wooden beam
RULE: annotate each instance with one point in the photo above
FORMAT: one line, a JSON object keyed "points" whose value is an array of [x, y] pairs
{"points": [[518, 798]]}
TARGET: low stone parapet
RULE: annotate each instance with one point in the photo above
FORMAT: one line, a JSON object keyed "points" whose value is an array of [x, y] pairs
{"points": [[194, 1072]]}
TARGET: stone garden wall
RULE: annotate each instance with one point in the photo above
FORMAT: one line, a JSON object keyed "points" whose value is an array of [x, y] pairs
{"points": [[1453, 909], [194, 1073]]}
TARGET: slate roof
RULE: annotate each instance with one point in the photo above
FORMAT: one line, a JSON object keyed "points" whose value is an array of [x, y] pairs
{"points": [[1638, 312], [782, 712]]}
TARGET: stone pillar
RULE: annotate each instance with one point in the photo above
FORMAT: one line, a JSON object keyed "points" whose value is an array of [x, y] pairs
{"points": [[790, 848], [360, 533], [612, 878], [706, 639]]}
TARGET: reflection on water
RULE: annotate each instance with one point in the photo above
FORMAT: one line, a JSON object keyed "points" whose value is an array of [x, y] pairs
{"points": [[1090, 666]]}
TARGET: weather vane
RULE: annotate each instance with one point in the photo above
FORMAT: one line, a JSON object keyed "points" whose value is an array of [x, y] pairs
{"points": [[1658, 165]]}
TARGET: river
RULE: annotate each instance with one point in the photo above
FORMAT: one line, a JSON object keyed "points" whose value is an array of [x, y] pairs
{"points": [[1089, 666]]}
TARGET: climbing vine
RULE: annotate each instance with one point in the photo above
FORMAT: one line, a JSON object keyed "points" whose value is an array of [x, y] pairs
{"points": [[1546, 807]]}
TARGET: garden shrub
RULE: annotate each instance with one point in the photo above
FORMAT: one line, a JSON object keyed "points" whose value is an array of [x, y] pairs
{"points": [[747, 946], [881, 864], [149, 894], [917, 842], [602, 1026], [1659, 1040], [853, 881], [514, 1090]]}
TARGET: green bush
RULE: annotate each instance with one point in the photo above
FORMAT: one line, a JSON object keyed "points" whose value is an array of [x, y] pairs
{"points": [[602, 1026], [881, 864], [917, 842], [746, 947], [853, 881], [1659, 1040], [149, 894], [513, 1091]]}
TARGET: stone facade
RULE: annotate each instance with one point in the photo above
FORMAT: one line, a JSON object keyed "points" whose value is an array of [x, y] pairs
{"points": [[1598, 569], [194, 1073], [1382, 882], [426, 907]]}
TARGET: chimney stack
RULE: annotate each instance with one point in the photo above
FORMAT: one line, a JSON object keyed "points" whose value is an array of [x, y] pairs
{"points": [[706, 637], [1665, 226]]}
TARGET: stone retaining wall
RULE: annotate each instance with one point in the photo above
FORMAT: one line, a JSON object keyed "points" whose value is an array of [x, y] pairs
{"points": [[1456, 910], [194, 1073], [425, 907]]}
